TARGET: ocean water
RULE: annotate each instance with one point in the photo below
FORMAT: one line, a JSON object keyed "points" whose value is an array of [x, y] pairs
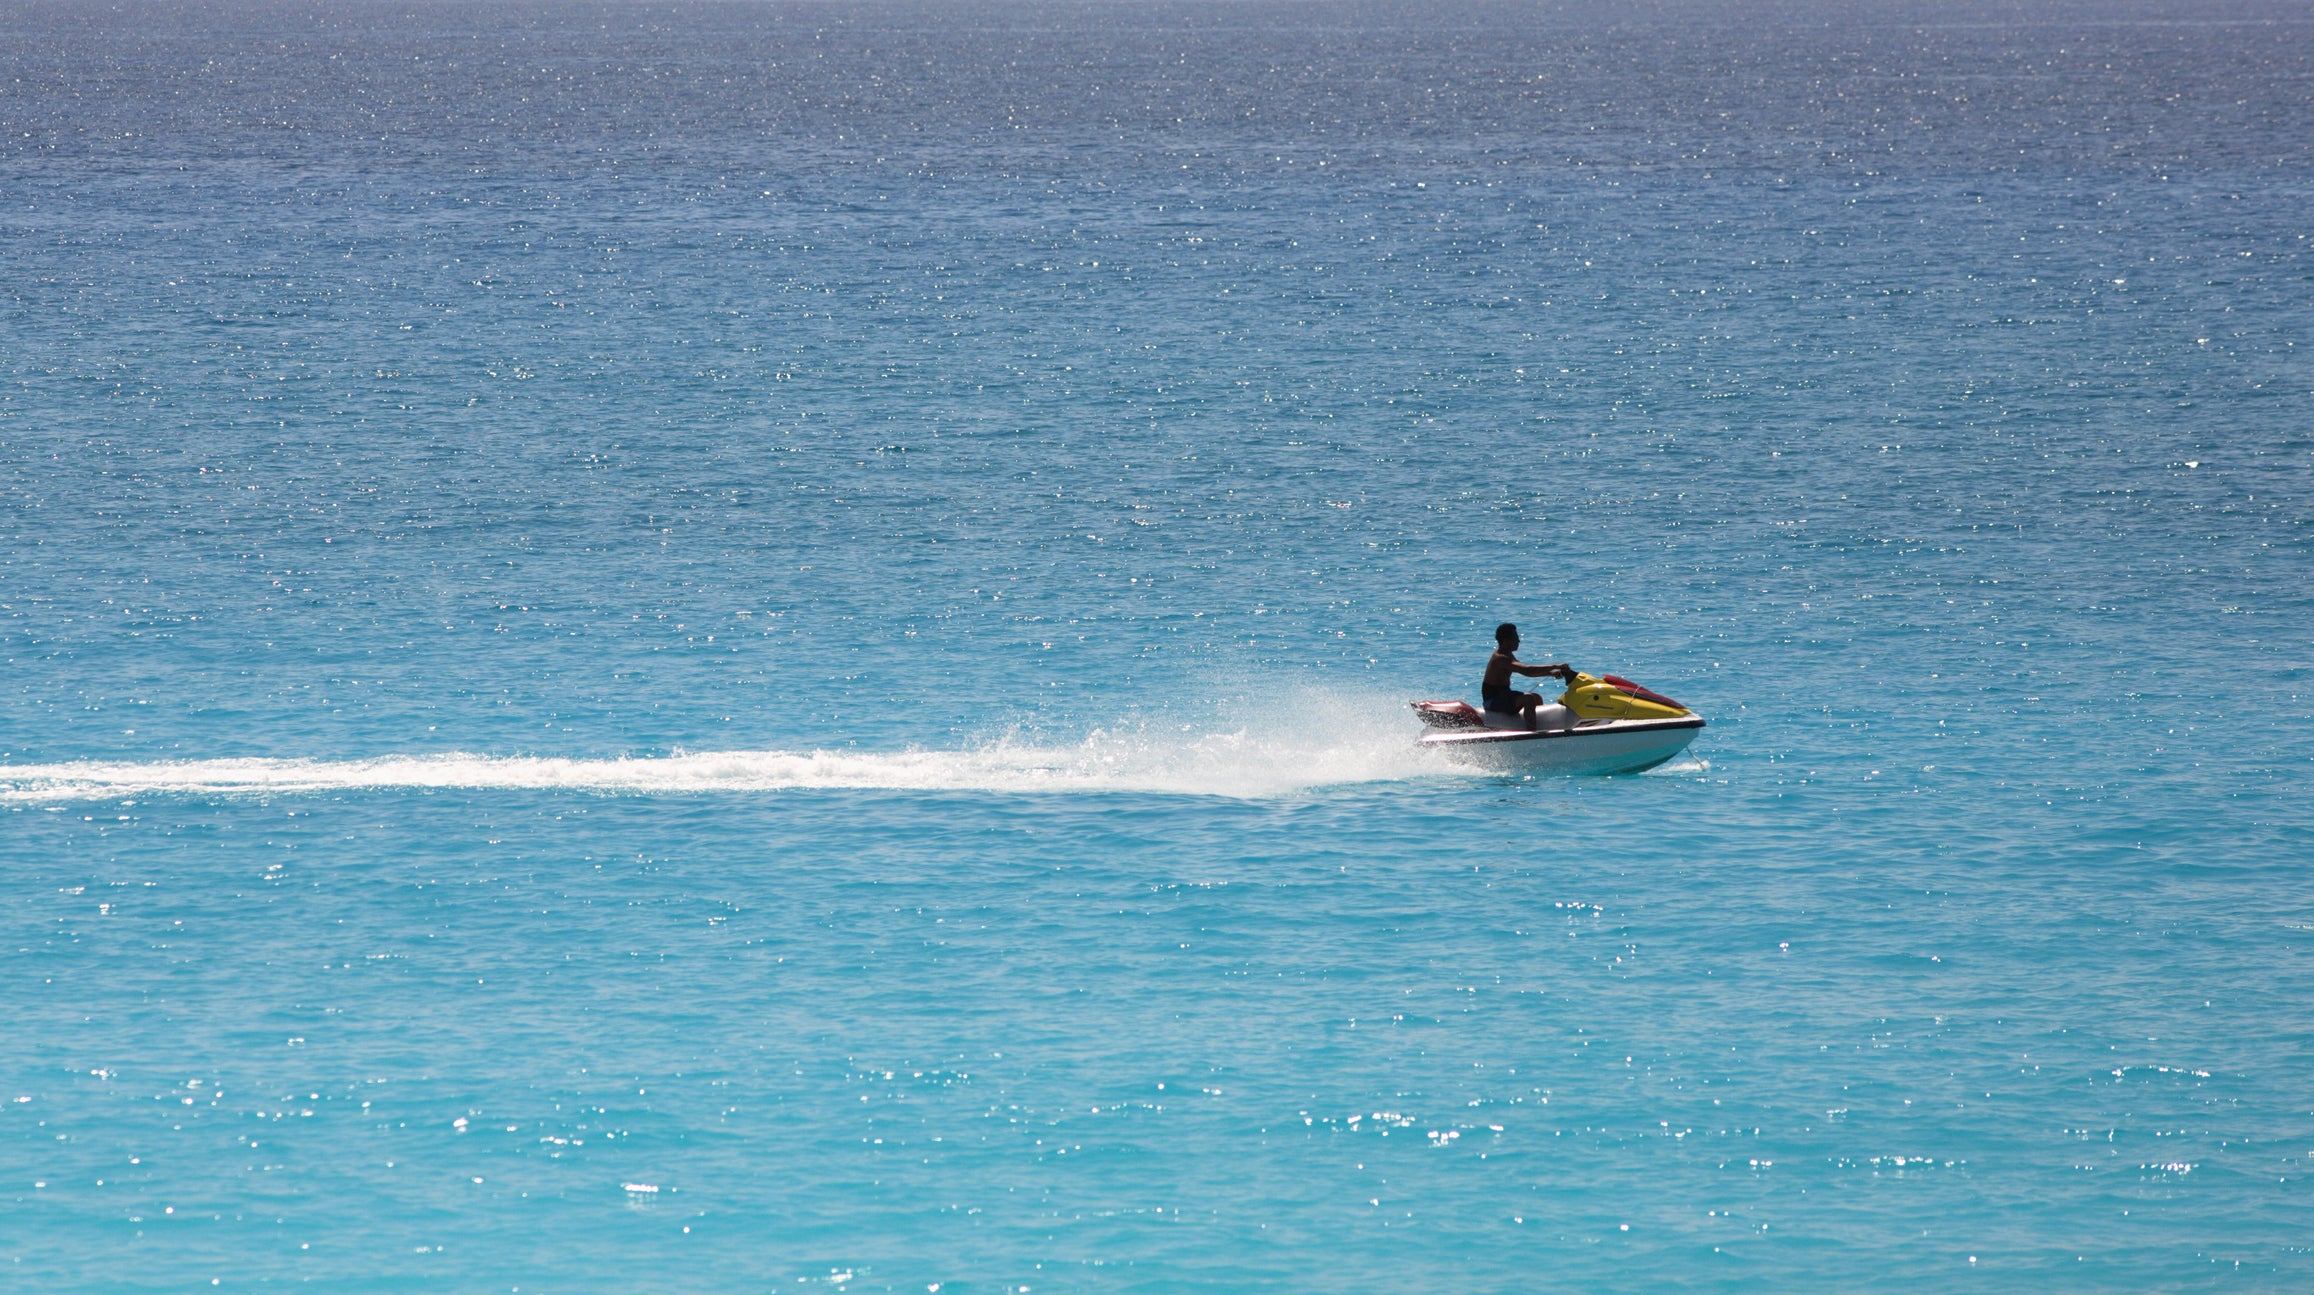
{"points": [[748, 647]]}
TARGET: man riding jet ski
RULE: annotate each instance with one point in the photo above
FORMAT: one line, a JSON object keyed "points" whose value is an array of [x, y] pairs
{"points": [[1608, 725], [1495, 689]]}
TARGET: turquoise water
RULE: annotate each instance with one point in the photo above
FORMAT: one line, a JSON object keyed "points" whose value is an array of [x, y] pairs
{"points": [[745, 648]]}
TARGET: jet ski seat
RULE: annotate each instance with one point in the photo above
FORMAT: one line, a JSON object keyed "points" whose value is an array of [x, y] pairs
{"points": [[1550, 717]]}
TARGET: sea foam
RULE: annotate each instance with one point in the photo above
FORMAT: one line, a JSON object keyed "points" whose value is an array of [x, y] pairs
{"points": [[1313, 748]]}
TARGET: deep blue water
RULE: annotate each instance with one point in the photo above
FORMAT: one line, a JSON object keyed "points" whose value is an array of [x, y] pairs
{"points": [[748, 647]]}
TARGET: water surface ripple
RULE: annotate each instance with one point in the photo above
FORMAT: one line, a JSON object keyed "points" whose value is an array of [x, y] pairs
{"points": [[737, 647]]}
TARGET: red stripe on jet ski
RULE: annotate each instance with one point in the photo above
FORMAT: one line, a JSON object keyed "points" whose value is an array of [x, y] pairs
{"points": [[1635, 690]]}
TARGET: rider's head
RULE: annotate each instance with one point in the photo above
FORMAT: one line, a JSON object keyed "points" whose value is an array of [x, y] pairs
{"points": [[1506, 636]]}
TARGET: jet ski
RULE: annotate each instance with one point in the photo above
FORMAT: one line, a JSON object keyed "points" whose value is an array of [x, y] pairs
{"points": [[1599, 725]]}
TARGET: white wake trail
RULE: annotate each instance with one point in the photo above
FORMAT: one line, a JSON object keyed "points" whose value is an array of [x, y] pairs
{"points": [[1231, 764]]}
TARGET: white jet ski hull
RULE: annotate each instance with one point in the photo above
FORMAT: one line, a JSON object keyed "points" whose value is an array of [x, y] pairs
{"points": [[1592, 747]]}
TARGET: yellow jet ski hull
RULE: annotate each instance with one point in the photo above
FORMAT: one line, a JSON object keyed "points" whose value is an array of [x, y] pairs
{"points": [[1592, 698]]}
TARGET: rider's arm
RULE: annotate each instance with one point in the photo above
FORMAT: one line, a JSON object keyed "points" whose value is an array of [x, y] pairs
{"points": [[1559, 670]]}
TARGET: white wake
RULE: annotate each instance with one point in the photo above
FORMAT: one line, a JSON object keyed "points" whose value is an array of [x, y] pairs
{"points": [[1245, 764]]}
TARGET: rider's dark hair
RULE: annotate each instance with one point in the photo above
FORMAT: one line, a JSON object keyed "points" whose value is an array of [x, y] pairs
{"points": [[1505, 633]]}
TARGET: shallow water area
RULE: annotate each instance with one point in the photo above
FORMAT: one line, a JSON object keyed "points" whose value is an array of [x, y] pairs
{"points": [[739, 648]]}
